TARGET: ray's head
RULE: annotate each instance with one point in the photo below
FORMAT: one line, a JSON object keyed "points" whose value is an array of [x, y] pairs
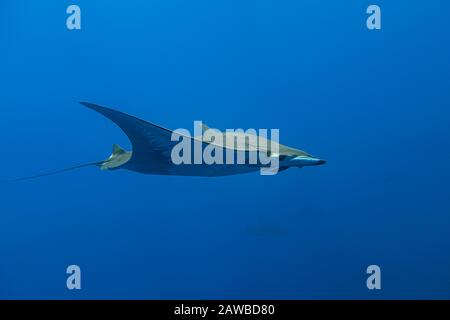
{"points": [[301, 161]]}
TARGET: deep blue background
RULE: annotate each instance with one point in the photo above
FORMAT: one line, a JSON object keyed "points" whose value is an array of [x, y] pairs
{"points": [[375, 104]]}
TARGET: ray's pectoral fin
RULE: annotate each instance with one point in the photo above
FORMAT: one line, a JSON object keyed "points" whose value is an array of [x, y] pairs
{"points": [[117, 159], [151, 144]]}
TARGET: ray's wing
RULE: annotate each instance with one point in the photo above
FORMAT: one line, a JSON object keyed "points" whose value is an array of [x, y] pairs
{"points": [[151, 144], [152, 147]]}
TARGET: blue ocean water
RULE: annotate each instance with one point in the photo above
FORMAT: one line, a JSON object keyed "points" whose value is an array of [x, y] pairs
{"points": [[375, 104]]}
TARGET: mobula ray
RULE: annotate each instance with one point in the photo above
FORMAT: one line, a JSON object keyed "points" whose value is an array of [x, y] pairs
{"points": [[152, 147]]}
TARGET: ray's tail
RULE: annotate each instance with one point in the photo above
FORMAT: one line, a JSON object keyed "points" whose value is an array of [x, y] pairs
{"points": [[53, 172]]}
